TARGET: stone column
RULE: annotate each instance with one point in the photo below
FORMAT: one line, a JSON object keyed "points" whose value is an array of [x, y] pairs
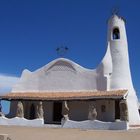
{"points": [[65, 110], [39, 110], [92, 115], [123, 110], [1, 113], [20, 110]]}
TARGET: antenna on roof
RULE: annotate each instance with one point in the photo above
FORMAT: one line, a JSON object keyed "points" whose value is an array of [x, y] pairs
{"points": [[62, 50]]}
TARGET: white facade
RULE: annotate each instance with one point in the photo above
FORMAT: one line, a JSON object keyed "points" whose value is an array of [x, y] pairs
{"points": [[113, 73]]}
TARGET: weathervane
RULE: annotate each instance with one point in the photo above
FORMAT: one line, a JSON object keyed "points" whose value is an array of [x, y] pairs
{"points": [[62, 50]]}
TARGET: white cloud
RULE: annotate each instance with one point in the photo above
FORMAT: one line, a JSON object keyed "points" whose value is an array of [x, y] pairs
{"points": [[7, 82]]}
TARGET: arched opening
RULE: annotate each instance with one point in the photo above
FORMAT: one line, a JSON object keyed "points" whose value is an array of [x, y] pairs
{"points": [[32, 112], [5, 106], [57, 112], [116, 33]]}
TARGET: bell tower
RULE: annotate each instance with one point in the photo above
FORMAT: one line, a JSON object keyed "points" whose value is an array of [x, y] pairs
{"points": [[121, 75]]}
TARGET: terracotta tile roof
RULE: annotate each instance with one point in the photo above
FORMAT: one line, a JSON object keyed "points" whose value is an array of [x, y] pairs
{"points": [[83, 95]]}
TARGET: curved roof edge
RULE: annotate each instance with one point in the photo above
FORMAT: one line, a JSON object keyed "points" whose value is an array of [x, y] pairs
{"points": [[68, 61]]}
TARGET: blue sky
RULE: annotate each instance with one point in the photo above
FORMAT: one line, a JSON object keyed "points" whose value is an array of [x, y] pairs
{"points": [[31, 30]]}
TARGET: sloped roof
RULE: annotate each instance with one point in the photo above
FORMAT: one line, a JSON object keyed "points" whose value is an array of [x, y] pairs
{"points": [[75, 95]]}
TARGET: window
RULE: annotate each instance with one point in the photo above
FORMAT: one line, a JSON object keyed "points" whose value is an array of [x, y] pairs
{"points": [[116, 34]]}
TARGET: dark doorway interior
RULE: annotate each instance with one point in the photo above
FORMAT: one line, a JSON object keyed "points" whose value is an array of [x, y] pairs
{"points": [[32, 112], [117, 109], [57, 112]]}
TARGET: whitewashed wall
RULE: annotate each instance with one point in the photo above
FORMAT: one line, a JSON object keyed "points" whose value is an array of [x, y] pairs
{"points": [[99, 125], [21, 121], [67, 124], [59, 75]]}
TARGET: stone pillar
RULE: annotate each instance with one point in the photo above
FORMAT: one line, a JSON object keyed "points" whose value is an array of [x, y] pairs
{"points": [[20, 110], [123, 111], [65, 110], [39, 110], [92, 112], [1, 113]]}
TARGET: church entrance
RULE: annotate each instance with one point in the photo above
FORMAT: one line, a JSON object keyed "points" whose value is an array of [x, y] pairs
{"points": [[57, 112], [32, 112]]}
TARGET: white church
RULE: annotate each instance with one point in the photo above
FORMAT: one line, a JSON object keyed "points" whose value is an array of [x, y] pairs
{"points": [[71, 96]]}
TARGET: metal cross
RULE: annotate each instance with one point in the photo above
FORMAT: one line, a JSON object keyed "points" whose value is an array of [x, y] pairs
{"points": [[62, 50], [115, 11]]}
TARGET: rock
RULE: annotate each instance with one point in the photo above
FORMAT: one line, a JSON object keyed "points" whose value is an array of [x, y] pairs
{"points": [[39, 110], [4, 137], [123, 111], [1, 114], [20, 110], [92, 113], [65, 110]]}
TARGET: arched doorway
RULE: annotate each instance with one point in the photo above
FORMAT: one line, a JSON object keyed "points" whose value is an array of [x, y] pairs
{"points": [[32, 112]]}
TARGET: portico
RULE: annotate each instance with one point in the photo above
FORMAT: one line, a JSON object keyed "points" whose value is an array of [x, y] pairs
{"points": [[52, 107]]}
